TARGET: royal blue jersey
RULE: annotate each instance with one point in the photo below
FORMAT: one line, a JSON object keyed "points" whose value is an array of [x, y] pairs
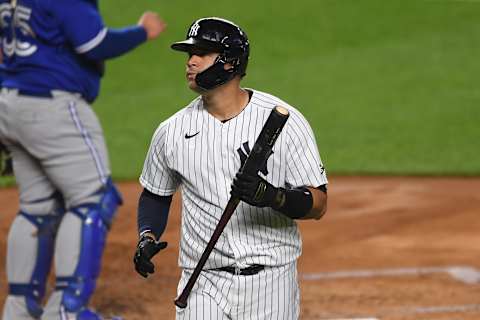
{"points": [[44, 42]]}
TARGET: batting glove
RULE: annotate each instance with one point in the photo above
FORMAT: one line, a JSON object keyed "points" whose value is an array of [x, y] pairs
{"points": [[256, 191], [147, 247]]}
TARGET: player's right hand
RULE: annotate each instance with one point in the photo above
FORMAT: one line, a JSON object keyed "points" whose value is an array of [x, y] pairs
{"points": [[152, 23], [254, 190], [147, 247]]}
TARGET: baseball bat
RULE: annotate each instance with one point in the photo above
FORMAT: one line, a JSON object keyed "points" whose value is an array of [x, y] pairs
{"points": [[255, 161]]}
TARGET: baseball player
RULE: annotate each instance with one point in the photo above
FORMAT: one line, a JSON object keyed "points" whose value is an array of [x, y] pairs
{"points": [[251, 273], [54, 53]]}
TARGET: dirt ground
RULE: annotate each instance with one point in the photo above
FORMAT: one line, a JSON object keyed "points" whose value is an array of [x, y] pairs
{"points": [[389, 248]]}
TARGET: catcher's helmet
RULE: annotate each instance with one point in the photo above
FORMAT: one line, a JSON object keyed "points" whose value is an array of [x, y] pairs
{"points": [[222, 36]]}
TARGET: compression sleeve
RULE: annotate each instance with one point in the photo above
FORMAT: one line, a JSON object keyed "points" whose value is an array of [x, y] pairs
{"points": [[117, 42], [153, 213]]}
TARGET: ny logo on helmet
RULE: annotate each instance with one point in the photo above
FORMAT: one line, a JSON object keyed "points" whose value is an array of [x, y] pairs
{"points": [[194, 30], [243, 153]]}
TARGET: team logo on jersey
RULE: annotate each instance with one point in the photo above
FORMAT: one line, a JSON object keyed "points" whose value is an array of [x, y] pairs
{"points": [[244, 151], [19, 16], [194, 30]]}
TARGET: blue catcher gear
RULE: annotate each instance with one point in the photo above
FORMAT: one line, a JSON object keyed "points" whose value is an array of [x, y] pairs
{"points": [[97, 219], [46, 226]]}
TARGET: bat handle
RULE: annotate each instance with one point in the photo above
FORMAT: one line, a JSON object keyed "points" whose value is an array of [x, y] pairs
{"points": [[181, 301]]}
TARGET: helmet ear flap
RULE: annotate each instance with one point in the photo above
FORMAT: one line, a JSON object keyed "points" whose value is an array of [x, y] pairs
{"points": [[234, 55], [223, 59], [232, 48], [230, 59]]}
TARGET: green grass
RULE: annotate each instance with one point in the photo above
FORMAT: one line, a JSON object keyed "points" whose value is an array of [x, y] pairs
{"points": [[389, 87], [6, 181]]}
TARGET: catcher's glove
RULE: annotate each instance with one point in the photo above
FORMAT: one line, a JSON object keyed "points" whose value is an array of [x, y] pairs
{"points": [[6, 167], [147, 247]]}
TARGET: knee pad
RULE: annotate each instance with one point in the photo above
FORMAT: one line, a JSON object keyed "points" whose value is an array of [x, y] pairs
{"points": [[97, 219], [34, 291]]}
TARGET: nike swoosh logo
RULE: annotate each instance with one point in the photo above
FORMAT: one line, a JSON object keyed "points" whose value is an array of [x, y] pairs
{"points": [[187, 136]]}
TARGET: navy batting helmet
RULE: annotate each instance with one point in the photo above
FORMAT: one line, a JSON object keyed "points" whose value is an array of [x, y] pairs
{"points": [[221, 36]]}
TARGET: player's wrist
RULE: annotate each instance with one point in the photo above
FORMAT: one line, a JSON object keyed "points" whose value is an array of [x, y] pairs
{"points": [[279, 199], [265, 194], [147, 234]]}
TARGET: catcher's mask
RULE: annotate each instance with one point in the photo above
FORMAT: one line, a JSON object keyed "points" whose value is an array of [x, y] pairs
{"points": [[221, 36]]}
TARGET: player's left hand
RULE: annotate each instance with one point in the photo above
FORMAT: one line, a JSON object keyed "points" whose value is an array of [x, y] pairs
{"points": [[254, 190], [147, 247]]}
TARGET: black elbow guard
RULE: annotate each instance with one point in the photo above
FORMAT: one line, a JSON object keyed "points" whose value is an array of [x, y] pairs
{"points": [[295, 203]]}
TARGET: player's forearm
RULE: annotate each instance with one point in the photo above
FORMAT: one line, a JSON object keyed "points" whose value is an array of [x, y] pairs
{"points": [[153, 213], [297, 203], [301, 203], [319, 206], [118, 42]]}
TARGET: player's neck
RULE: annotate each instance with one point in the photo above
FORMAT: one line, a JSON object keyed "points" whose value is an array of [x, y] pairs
{"points": [[226, 102]]}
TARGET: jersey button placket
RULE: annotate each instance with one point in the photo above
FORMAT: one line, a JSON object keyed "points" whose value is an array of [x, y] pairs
{"points": [[224, 142]]}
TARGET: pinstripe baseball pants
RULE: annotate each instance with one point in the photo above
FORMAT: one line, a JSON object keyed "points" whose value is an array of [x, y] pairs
{"points": [[273, 293]]}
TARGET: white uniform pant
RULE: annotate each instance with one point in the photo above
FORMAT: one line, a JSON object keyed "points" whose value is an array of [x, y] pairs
{"points": [[270, 294]]}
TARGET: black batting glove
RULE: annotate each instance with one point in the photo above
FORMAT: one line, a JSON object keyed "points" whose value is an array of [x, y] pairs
{"points": [[147, 247], [256, 191]]}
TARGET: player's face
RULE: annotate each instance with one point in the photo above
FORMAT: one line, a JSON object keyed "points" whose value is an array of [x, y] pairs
{"points": [[198, 61]]}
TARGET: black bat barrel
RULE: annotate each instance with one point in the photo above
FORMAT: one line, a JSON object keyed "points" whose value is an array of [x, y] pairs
{"points": [[266, 139]]}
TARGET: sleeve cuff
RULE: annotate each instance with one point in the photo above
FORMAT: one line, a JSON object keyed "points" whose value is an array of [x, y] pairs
{"points": [[93, 42]]}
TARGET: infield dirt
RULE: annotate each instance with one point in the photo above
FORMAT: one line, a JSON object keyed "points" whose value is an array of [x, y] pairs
{"points": [[388, 248]]}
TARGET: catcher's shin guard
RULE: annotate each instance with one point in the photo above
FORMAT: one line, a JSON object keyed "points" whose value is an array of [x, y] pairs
{"points": [[96, 220], [39, 246]]}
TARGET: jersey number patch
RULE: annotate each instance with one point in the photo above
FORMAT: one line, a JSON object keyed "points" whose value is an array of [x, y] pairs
{"points": [[16, 18]]}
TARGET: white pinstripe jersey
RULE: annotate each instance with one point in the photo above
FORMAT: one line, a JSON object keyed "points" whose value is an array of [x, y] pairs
{"points": [[200, 154]]}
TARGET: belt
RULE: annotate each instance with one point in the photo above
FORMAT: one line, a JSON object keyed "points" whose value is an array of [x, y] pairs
{"points": [[251, 270], [45, 94], [42, 94], [30, 93]]}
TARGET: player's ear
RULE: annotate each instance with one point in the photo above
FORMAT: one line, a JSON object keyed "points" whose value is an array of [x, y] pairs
{"points": [[227, 66]]}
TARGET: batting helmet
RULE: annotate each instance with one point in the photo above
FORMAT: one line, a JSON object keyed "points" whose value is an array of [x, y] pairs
{"points": [[221, 36]]}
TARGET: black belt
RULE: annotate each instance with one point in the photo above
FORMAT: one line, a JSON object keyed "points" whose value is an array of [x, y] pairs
{"points": [[251, 270], [30, 93], [38, 94]]}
